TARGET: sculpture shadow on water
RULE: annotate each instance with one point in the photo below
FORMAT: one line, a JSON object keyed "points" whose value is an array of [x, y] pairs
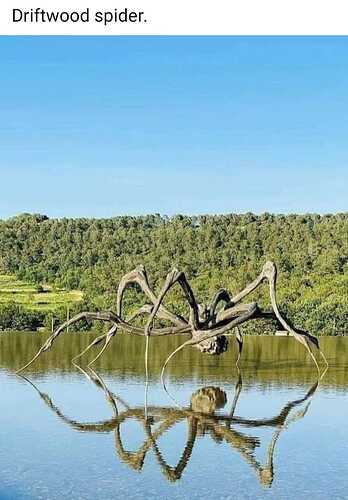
{"points": [[204, 418]]}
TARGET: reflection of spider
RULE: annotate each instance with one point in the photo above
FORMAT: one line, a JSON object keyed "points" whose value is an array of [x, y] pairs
{"points": [[206, 325], [201, 419]]}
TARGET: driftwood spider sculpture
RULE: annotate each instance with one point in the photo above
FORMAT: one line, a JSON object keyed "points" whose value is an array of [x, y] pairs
{"points": [[207, 326]]}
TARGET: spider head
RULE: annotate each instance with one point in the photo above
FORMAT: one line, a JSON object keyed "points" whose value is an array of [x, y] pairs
{"points": [[215, 345]]}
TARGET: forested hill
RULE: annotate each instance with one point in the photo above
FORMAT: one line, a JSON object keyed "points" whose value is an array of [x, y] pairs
{"points": [[311, 252]]}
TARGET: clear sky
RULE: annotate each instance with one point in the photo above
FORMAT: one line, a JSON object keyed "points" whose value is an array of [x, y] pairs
{"points": [[111, 125]]}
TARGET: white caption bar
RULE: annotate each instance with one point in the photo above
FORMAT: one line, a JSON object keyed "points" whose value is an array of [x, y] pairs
{"points": [[174, 17]]}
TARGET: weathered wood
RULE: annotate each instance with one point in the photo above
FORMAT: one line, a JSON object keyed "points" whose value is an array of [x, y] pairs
{"points": [[206, 327]]}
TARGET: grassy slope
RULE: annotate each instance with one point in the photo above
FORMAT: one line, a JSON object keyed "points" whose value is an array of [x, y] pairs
{"points": [[30, 296]]}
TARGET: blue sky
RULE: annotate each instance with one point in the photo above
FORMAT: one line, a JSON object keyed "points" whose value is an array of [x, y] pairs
{"points": [[129, 125]]}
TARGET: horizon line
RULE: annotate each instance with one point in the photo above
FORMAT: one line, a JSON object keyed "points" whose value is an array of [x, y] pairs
{"points": [[174, 215]]}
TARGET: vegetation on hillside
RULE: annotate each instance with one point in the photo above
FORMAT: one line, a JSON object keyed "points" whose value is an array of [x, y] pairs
{"points": [[311, 252], [27, 306]]}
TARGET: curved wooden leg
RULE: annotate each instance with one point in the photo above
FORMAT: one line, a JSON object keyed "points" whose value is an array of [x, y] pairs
{"points": [[239, 339], [111, 333], [102, 316]]}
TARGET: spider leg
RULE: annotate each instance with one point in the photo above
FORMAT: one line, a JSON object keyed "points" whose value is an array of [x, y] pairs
{"points": [[139, 276], [309, 349], [238, 390], [325, 361], [269, 273], [221, 295], [93, 343], [173, 277], [111, 333], [239, 338], [308, 340], [102, 316]]}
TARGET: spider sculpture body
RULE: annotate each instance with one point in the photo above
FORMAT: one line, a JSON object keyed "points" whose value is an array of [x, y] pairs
{"points": [[207, 326]]}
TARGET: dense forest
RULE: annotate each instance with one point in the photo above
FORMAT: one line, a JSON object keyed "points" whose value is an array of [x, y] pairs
{"points": [[311, 253]]}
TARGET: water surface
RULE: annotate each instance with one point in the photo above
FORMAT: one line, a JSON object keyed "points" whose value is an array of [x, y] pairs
{"points": [[269, 431]]}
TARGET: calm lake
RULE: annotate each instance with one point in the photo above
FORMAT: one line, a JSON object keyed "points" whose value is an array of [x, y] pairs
{"points": [[270, 431]]}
